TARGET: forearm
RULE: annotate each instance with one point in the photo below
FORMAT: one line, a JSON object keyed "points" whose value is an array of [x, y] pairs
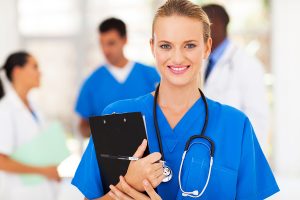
{"points": [[9, 165], [105, 197], [84, 128]]}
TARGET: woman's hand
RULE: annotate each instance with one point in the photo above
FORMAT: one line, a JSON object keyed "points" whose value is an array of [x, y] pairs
{"points": [[130, 193], [145, 168]]}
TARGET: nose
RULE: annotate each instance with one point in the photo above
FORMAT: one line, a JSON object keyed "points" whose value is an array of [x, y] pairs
{"points": [[178, 56]]}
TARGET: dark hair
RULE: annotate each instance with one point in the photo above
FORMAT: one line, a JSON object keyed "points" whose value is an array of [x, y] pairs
{"points": [[17, 59], [215, 11], [113, 24], [1, 90]]}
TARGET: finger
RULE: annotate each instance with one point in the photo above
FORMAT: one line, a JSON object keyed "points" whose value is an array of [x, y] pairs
{"points": [[130, 191], [141, 149], [120, 195], [150, 191], [157, 166], [155, 182], [112, 195], [152, 170], [157, 173], [153, 157]]}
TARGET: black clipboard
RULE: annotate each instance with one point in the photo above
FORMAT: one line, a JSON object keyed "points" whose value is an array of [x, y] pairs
{"points": [[116, 135]]}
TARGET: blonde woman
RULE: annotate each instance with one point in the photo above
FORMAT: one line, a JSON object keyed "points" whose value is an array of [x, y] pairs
{"points": [[209, 149]]}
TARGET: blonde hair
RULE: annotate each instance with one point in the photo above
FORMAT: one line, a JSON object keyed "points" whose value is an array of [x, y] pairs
{"points": [[184, 8]]}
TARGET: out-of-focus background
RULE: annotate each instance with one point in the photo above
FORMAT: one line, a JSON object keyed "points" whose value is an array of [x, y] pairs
{"points": [[62, 35]]}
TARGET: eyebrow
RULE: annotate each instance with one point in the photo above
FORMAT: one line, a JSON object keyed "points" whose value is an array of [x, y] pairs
{"points": [[190, 41], [165, 41]]}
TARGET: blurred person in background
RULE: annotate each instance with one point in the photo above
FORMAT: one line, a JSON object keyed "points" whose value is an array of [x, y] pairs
{"points": [[19, 124], [118, 79], [232, 77]]}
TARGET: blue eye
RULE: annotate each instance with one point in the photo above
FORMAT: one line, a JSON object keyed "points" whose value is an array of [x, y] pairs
{"points": [[165, 46], [190, 46]]}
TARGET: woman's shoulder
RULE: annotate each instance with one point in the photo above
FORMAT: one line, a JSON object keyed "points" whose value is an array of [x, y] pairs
{"points": [[226, 111], [127, 105], [6, 102]]}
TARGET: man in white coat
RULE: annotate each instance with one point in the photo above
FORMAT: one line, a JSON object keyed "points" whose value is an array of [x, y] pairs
{"points": [[232, 77]]}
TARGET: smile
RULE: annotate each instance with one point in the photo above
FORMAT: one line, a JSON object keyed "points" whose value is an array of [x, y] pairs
{"points": [[176, 69]]}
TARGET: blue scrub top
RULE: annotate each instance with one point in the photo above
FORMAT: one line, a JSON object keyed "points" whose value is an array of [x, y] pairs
{"points": [[240, 169], [102, 89]]}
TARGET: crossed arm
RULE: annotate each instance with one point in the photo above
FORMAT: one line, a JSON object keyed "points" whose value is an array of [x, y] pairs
{"points": [[144, 174]]}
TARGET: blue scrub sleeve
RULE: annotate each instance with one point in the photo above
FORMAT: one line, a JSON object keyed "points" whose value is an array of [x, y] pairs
{"points": [[155, 76], [255, 178], [83, 105], [87, 177]]}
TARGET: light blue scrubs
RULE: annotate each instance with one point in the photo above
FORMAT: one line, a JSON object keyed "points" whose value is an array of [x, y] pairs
{"points": [[240, 169], [102, 89]]}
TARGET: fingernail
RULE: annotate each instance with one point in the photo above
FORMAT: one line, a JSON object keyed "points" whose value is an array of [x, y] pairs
{"points": [[110, 194], [145, 182]]}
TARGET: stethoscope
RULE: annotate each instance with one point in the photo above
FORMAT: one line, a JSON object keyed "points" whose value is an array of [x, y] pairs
{"points": [[166, 169]]}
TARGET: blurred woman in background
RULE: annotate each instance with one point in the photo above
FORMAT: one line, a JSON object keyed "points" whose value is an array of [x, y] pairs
{"points": [[20, 123]]}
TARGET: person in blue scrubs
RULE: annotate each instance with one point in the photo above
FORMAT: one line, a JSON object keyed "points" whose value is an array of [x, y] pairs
{"points": [[239, 171], [118, 79]]}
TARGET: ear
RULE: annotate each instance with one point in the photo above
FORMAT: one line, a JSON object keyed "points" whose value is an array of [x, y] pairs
{"points": [[207, 48], [16, 71], [152, 46], [125, 40]]}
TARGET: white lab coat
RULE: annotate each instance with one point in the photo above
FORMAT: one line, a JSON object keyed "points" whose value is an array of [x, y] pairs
{"points": [[238, 80], [18, 126]]}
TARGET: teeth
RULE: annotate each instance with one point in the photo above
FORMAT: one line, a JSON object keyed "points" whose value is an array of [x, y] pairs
{"points": [[178, 68]]}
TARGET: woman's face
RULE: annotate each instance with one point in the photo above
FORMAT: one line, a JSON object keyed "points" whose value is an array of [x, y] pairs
{"points": [[29, 74], [179, 49]]}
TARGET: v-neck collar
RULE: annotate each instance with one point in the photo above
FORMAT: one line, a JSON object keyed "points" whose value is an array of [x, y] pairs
{"points": [[16, 100], [128, 76], [182, 127]]}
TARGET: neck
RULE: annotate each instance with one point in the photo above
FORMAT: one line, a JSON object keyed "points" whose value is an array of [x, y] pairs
{"points": [[217, 42], [178, 98], [122, 62], [22, 92]]}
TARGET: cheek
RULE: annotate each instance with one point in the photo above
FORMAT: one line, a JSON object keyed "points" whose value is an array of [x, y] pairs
{"points": [[196, 57], [161, 57]]}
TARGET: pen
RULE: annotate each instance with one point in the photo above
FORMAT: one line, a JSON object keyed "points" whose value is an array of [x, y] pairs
{"points": [[131, 158]]}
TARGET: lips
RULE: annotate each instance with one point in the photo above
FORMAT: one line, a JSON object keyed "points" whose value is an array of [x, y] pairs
{"points": [[178, 69]]}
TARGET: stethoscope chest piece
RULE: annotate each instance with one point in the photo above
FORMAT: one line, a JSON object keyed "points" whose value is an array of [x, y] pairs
{"points": [[167, 173]]}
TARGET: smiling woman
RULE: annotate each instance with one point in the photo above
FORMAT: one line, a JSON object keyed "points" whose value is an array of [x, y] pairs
{"points": [[179, 57], [226, 155]]}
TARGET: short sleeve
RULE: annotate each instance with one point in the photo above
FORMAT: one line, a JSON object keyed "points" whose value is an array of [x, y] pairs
{"points": [[155, 76], [87, 177], [255, 177], [7, 131], [83, 105]]}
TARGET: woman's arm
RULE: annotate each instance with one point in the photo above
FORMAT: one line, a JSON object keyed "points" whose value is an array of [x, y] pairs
{"points": [[107, 196], [130, 193], [9, 165], [147, 167]]}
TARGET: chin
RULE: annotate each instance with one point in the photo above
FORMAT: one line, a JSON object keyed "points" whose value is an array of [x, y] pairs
{"points": [[179, 82]]}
